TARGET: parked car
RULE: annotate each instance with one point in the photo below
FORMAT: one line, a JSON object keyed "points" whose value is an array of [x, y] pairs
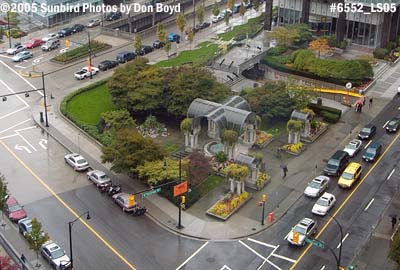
{"points": [[34, 43], [78, 28], [122, 199], [367, 132], [227, 11], [373, 151], [318, 185], [25, 226], [248, 5], [21, 56], [393, 124], [172, 37], [337, 163], [324, 204], [144, 50], [353, 147], [158, 44], [50, 36], [65, 32], [204, 25], [55, 255], [16, 49], [51, 45], [86, 72], [305, 228], [113, 16], [76, 161], [236, 8], [93, 23], [350, 175], [124, 57], [107, 64], [13, 210], [218, 18], [99, 178]]}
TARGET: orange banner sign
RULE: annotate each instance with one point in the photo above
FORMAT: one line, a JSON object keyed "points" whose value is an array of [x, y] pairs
{"points": [[180, 188]]}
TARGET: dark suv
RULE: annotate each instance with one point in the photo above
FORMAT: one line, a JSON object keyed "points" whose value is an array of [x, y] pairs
{"points": [[393, 125], [145, 50], [107, 64], [78, 28], [158, 44], [114, 16], [372, 152], [124, 57], [337, 163], [65, 32], [367, 132]]}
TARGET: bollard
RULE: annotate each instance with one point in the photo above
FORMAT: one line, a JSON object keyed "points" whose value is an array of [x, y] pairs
{"points": [[271, 217], [41, 117]]}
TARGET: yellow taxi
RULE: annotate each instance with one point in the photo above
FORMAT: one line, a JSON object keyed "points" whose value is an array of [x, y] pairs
{"points": [[351, 174]]}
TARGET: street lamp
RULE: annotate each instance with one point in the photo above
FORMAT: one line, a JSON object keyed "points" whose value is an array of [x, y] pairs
{"points": [[70, 235], [341, 240], [262, 203]]}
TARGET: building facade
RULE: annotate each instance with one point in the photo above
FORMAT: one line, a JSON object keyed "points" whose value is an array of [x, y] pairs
{"points": [[366, 28]]}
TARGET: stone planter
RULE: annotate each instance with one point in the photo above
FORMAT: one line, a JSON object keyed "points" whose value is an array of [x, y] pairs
{"points": [[312, 138], [222, 203], [295, 153]]}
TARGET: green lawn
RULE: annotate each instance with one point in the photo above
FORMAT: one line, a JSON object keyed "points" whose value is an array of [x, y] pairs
{"points": [[170, 147], [212, 182], [248, 27], [204, 52], [274, 128], [88, 106]]}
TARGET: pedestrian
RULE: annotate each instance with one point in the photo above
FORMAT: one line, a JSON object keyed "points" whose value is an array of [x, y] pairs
{"points": [[394, 220], [370, 102], [23, 258], [363, 100], [285, 170]]}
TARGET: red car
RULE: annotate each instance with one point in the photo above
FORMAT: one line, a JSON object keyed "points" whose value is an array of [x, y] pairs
{"points": [[34, 43], [14, 210]]}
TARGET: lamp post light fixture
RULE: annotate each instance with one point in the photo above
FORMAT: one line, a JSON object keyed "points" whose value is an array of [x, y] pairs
{"points": [[70, 235]]}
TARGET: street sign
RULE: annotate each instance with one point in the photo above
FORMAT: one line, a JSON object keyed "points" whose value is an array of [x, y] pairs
{"points": [[349, 85], [180, 188], [151, 192], [315, 242]]}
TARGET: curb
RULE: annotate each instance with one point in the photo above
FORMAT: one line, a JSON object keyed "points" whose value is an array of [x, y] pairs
{"points": [[30, 75], [15, 256]]}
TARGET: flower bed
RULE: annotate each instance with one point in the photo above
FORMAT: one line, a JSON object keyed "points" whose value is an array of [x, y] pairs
{"points": [[320, 128], [263, 138], [262, 180], [228, 205], [294, 148]]}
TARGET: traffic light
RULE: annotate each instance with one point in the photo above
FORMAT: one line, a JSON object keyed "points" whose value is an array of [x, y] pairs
{"points": [[264, 198], [131, 201], [67, 43], [183, 199], [296, 237]]}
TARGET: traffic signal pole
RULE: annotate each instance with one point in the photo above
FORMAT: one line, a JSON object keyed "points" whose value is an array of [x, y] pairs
{"points": [[180, 203]]}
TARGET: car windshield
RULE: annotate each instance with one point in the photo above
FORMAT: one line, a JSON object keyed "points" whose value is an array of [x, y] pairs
{"points": [[104, 177], [314, 184], [333, 162], [300, 230], [322, 202], [81, 161], [366, 130], [392, 123], [351, 146], [15, 208], [57, 253], [347, 176], [370, 150]]}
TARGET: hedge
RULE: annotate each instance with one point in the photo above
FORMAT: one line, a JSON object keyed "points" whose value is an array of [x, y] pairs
{"points": [[191, 197], [381, 53], [329, 114], [278, 50], [330, 117], [81, 51]]}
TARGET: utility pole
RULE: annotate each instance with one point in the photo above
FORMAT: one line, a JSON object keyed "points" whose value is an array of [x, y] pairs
{"points": [[9, 28], [194, 14], [45, 101], [90, 56]]}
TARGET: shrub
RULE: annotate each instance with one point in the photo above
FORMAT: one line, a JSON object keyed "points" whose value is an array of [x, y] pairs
{"points": [[392, 45], [221, 157], [278, 50], [381, 53], [81, 51], [330, 117], [394, 252], [334, 43], [320, 108]]}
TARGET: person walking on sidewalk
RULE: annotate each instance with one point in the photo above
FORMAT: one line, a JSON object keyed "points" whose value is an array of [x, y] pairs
{"points": [[394, 221], [284, 169], [370, 102]]}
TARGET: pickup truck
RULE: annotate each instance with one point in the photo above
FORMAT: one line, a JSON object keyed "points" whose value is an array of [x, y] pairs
{"points": [[85, 73]]}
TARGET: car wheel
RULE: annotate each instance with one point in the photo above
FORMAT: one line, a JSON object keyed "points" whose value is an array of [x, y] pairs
{"points": [[123, 209]]}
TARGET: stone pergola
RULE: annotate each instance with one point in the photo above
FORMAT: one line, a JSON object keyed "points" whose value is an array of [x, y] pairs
{"points": [[305, 132], [234, 114]]}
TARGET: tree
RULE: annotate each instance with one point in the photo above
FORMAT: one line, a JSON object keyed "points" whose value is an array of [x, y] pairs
{"points": [[13, 16], [156, 173], [229, 138], [238, 173], [215, 10], [137, 43], [304, 33], [256, 5], [294, 125], [113, 121], [284, 35], [129, 149], [229, 4], [137, 86], [242, 11], [200, 14], [190, 37], [181, 22], [198, 168], [36, 238], [186, 125], [167, 46], [161, 34], [7, 264], [3, 194], [319, 45], [226, 18]]}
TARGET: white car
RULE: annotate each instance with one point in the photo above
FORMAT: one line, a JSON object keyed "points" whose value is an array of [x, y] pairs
{"points": [[50, 36], [16, 49], [21, 56], [305, 228], [217, 18], [85, 73], [55, 255], [353, 147], [76, 161], [324, 204], [318, 185], [99, 178]]}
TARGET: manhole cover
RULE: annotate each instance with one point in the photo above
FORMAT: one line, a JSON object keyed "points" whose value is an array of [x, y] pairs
{"points": [[210, 260]]}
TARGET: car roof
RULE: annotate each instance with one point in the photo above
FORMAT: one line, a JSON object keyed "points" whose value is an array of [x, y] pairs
{"points": [[374, 144], [25, 221], [320, 178], [12, 201], [352, 167], [353, 141], [326, 196], [51, 245], [369, 126], [306, 222]]}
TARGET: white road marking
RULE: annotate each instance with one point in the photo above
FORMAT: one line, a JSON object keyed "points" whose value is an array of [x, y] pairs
{"points": [[9, 136], [37, 60], [365, 147], [27, 128], [252, 250], [344, 238], [25, 140], [21, 148], [225, 267], [261, 243], [22, 78], [42, 143], [283, 258], [323, 267], [20, 109], [20, 123], [287, 235], [5, 56], [18, 66], [368, 205], [391, 173], [194, 254], [385, 124]]}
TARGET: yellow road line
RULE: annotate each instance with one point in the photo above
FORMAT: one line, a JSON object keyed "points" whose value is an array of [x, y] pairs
{"points": [[119, 255], [345, 201]]}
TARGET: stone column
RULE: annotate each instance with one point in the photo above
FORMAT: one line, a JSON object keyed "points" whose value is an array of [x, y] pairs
{"points": [[341, 25], [305, 11], [268, 15], [387, 18]]}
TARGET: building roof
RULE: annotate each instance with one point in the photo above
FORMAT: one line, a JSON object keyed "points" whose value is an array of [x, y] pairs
{"points": [[246, 160], [298, 115]]}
